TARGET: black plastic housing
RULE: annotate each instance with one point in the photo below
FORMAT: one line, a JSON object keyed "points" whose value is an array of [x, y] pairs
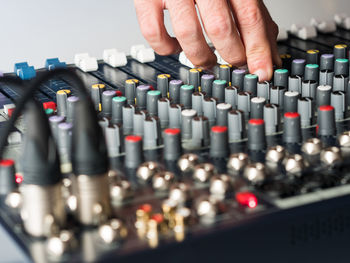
{"points": [[40, 160], [89, 150]]}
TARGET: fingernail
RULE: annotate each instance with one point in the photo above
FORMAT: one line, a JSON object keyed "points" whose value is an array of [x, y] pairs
{"points": [[262, 74]]}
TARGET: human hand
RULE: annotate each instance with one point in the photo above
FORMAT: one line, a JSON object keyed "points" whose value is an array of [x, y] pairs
{"points": [[242, 31]]}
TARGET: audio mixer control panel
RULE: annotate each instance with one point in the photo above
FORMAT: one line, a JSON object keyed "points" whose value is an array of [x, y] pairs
{"points": [[141, 157]]}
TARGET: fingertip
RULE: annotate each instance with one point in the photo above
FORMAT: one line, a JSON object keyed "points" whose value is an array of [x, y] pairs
{"points": [[264, 74]]}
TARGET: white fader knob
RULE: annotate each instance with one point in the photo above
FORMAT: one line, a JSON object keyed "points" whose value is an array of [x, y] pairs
{"points": [[85, 62], [142, 54], [303, 32], [114, 58], [327, 26], [342, 20]]}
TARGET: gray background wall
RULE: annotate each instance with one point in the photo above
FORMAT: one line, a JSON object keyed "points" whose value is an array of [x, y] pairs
{"points": [[35, 30]]}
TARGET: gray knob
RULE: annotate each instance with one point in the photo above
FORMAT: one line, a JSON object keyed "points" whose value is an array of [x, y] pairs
{"points": [[64, 141], [163, 112], [323, 95], [61, 99], [186, 123], [340, 105], [197, 102], [141, 96], [298, 66], [172, 144], [107, 97], [133, 151], [96, 93], [117, 109], [218, 90], [7, 176], [207, 84], [114, 140], [128, 118], [281, 77], [264, 90], [175, 115], [256, 135], [291, 101], [130, 90], [138, 119], [340, 51], [312, 72], [327, 62], [312, 56], [152, 137], [257, 107], [326, 121], [308, 88], [306, 111], [194, 78], [209, 110], [222, 110], [340, 82], [292, 128], [277, 96], [294, 83], [243, 103], [225, 73], [152, 102], [238, 78], [251, 83], [54, 121], [186, 96], [326, 77], [271, 118], [236, 125], [219, 142], [163, 84], [341, 66], [231, 94], [71, 104], [200, 132], [174, 90]]}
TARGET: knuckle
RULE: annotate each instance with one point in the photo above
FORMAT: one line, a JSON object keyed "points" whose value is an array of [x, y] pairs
{"points": [[151, 32], [219, 27], [186, 32]]}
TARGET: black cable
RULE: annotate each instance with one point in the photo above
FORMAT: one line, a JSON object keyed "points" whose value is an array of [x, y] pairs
{"points": [[66, 74]]}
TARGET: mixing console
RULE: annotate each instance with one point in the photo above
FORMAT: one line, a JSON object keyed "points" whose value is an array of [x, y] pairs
{"points": [[143, 158]]}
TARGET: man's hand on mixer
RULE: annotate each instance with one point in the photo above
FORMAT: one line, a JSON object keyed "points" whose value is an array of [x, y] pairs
{"points": [[242, 31]]}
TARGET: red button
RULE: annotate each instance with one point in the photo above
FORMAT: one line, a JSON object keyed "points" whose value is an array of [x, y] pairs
{"points": [[19, 178], [133, 138], [10, 112], [7, 163], [158, 218], [172, 131], [219, 129], [256, 121], [291, 115], [326, 108], [119, 93], [147, 208], [50, 105], [247, 199]]}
